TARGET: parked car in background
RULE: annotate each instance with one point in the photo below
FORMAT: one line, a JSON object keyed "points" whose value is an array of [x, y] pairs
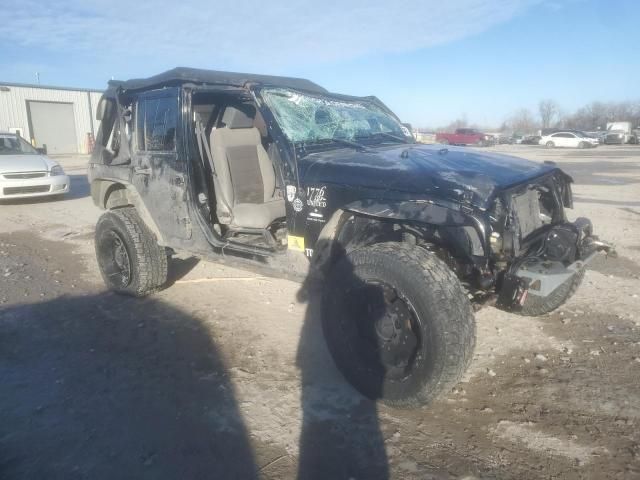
{"points": [[573, 139], [503, 139], [599, 134], [620, 133], [465, 136], [25, 172], [531, 140]]}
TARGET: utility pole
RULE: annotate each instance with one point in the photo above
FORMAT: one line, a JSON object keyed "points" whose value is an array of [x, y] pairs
{"points": [[38, 77]]}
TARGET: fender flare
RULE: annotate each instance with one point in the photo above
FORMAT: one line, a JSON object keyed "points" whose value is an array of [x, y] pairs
{"points": [[418, 211], [103, 191]]}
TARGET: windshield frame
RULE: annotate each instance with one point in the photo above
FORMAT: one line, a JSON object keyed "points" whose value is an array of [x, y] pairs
{"points": [[377, 138], [25, 147]]}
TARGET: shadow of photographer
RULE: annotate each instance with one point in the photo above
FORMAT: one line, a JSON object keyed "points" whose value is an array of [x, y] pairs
{"points": [[104, 386], [341, 436]]}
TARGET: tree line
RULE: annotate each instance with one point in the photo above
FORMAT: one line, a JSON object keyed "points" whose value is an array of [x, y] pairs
{"points": [[591, 117]]}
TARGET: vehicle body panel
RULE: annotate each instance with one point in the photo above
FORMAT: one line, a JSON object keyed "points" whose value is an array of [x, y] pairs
{"points": [[451, 173], [159, 175]]}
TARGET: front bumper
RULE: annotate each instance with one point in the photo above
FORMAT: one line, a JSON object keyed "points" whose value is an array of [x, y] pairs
{"points": [[542, 275], [34, 187]]}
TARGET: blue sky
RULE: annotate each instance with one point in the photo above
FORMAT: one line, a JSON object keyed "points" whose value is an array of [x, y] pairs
{"points": [[430, 61]]}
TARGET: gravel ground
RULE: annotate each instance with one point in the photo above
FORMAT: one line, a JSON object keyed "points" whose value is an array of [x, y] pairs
{"points": [[225, 374]]}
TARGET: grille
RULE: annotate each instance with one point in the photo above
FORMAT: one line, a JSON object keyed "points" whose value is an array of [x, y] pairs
{"points": [[527, 209], [22, 176], [22, 190]]}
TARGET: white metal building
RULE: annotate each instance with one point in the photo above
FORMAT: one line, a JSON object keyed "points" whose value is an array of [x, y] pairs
{"points": [[60, 118]]}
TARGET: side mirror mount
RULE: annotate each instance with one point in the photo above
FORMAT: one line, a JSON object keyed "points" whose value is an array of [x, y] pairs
{"points": [[42, 150]]}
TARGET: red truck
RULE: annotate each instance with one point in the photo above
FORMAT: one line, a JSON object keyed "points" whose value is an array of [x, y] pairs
{"points": [[464, 136]]}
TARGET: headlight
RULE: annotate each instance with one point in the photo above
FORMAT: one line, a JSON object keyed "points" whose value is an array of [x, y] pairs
{"points": [[56, 170]]}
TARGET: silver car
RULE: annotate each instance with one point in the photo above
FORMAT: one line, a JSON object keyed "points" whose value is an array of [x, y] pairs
{"points": [[24, 172]]}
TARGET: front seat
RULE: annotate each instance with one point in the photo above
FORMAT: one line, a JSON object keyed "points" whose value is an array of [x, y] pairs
{"points": [[245, 171]]}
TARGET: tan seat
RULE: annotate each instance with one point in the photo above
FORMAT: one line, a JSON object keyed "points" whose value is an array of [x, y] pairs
{"points": [[245, 172]]}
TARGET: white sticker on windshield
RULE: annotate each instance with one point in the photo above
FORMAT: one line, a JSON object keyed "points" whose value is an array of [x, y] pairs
{"points": [[406, 131]]}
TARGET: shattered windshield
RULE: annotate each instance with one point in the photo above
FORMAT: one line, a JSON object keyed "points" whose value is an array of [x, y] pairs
{"points": [[310, 118]]}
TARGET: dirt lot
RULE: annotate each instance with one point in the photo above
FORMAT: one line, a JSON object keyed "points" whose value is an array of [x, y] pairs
{"points": [[225, 374]]}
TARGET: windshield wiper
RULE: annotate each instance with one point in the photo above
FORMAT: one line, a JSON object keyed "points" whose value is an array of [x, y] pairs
{"points": [[349, 143], [387, 135], [340, 141]]}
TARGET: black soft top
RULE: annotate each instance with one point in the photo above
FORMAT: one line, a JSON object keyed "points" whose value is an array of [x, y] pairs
{"points": [[181, 75]]}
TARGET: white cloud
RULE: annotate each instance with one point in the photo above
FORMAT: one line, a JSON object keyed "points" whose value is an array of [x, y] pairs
{"points": [[249, 33]]}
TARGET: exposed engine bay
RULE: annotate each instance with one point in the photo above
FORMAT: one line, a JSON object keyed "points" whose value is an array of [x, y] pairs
{"points": [[534, 247]]}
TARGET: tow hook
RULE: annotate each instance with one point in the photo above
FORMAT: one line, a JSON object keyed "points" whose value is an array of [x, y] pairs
{"points": [[513, 293], [602, 246]]}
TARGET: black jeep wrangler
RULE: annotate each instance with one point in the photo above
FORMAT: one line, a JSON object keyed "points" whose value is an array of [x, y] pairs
{"points": [[404, 238]]}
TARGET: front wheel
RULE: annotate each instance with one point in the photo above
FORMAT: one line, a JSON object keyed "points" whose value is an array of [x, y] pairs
{"points": [[398, 323], [550, 145], [130, 260]]}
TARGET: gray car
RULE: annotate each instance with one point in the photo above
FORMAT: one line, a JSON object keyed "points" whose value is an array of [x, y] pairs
{"points": [[25, 172]]}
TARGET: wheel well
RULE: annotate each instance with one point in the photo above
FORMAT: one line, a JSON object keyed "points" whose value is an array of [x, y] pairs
{"points": [[116, 197], [348, 231], [110, 195]]}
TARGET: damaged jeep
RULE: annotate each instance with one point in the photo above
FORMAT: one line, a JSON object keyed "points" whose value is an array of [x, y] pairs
{"points": [[278, 174]]}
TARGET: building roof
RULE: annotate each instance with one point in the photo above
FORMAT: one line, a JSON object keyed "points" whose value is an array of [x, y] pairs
{"points": [[182, 75], [47, 87]]}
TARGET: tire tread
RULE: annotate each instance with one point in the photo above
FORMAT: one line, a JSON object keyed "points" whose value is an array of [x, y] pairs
{"points": [[149, 259]]}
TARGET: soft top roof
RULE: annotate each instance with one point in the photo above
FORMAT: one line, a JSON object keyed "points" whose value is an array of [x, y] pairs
{"points": [[182, 75]]}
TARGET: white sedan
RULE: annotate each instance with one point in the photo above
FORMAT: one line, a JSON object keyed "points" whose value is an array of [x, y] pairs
{"points": [[26, 173], [569, 139]]}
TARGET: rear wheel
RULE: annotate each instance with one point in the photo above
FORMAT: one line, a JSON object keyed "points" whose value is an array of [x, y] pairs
{"points": [[398, 323], [550, 145], [130, 260]]}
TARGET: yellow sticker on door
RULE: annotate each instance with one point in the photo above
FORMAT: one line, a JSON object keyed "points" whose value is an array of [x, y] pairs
{"points": [[296, 243]]}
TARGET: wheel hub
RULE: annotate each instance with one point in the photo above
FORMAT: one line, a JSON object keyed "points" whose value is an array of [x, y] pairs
{"points": [[393, 341], [116, 261]]}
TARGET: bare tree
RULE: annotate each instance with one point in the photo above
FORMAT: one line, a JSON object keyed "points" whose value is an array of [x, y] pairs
{"points": [[460, 122], [522, 121], [548, 110]]}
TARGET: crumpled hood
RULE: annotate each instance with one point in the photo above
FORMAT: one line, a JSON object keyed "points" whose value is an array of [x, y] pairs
{"points": [[24, 163], [450, 173]]}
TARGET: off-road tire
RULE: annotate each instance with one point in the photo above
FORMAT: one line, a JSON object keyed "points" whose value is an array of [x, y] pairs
{"points": [[550, 145], [445, 322], [535, 306], [147, 260]]}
